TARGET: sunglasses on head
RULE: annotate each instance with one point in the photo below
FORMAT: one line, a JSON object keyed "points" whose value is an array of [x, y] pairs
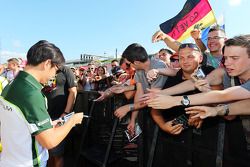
{"points": [[189, 45]]}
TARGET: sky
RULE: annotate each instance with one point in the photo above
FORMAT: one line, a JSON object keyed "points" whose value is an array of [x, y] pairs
{"points": [[99, 27]]}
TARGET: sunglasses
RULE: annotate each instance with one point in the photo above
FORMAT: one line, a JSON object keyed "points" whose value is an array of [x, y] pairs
{"points": [[173, 59], [128, 64], [58, 67], [189, 45]]}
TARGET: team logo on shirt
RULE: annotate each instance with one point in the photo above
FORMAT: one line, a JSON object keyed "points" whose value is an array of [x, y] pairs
{"points": [[5, 107], [43, 122]]}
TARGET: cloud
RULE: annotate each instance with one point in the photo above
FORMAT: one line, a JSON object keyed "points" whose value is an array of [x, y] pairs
{"points": [[221, 20], [234, 2], [5, 55]]}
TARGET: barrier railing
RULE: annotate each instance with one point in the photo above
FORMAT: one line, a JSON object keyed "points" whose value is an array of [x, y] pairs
{"points": [[102, 140]]}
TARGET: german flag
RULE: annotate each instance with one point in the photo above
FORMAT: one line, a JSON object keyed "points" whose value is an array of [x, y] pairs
{"points": [[194, 12]]}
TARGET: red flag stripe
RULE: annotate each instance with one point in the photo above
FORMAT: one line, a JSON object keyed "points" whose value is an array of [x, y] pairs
{"points": [[208, 20], [196, 14]]}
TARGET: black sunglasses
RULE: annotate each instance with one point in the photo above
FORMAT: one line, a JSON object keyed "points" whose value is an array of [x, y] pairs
{"points": [[173, 59], [128, 64], [189, 45], [58, 67]]}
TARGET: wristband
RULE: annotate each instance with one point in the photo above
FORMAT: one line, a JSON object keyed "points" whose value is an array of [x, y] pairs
{"points": [[131, 107], [65, 112]]}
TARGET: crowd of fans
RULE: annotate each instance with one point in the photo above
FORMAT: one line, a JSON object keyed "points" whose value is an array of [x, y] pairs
{"points": [[214, 76]]}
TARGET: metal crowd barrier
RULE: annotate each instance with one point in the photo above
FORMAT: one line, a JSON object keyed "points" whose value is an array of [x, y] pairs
{"points": [[102, 139]]}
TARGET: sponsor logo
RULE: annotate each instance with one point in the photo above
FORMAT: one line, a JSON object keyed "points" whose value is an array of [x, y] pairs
{"points": [[5, 107], [43, 122]]}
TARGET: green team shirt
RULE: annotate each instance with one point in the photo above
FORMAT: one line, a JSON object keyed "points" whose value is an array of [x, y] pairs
{"points": [[23, 114]]}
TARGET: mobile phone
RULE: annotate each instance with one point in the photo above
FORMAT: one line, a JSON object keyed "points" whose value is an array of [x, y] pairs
{"points": [[182, 119], [200, 74]]}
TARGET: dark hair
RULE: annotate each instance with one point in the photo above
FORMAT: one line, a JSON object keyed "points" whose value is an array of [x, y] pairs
{"points": [[42, 51], [241, 40], [167, 50], [115, 60], [103, 68], [116, 70], [217, 28], [135, 52], [122, 60]]}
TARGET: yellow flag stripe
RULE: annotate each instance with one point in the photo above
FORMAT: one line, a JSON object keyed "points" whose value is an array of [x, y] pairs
{"points": [[206, 21]]}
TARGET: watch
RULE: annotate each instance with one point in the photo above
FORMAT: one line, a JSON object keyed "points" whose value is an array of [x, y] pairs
{"points": [[185, 101]]}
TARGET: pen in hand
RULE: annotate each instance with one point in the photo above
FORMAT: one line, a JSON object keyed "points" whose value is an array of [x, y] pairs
{"points": [[86, 116]]}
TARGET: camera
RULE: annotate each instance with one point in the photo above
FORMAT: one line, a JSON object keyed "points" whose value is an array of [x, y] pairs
{"points": [[200, 74]]}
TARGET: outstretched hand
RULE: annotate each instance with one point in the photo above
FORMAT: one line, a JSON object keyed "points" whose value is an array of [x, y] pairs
{"points": [[117, 89], [121, 111], [196, 122], [162, 102], [101, 97], [150, 95], [152, 75], [170, 128], [201, 111]]}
